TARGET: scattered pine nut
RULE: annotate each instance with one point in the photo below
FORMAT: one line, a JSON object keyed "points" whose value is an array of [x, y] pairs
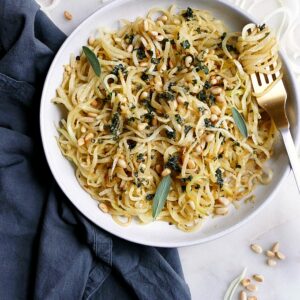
{"points": [[94, 103], [245, 282], [165, 172], [221, 211], [130, 48], [103, 207], [243, 295], [142, 126], [256, 248], [89, 136], [68, 16], [252, 298], [210, 137], [270, 253], [144, 95], [280, 255], [251, 287], [275, 247], [191, 164], [83, 129], [122, 163], [271, 262], [159, 38], [216, 90], [91, 41], [81, 142], [258, 277], [214, 118]]}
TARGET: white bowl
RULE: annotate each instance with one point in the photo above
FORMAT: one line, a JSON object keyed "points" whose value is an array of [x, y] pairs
{"points": [[157, 233]]}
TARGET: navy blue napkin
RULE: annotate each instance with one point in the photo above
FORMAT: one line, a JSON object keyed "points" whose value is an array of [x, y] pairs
{"points": [[48, 250]]}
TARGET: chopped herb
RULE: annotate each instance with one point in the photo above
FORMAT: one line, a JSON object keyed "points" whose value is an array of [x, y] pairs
{"points": [[201, 67], [131, 144], [220, 155], [135, 174], [173, 42], [183, 188], [178, 119], [186, 179], [145, 77], [198, 30], [115, 122], [149, 116], [166, 96], [201, 109], [185, 44], [207, 85], [148, 106], [208, 123], [140, 52], [238, 166], [171, 134], [150, 197], [186, 104], [170, 86], [194, 81], [155, 60], [223, 36], [129, 38], [77, 57], [118, 68], [140, 157], [188, 14], [187, 129], [150, 52], [110, 96], [219, 177], [164, 41], [173, 164], [93, 60], [212, 99], [231, 48], [262, 27], [201, 96], [131, 119]]}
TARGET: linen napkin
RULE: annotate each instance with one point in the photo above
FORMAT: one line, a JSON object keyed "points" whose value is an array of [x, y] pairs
{"points": [[48, 250]]}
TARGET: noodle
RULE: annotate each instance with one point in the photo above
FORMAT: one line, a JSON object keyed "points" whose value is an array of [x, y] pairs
{"points": [[164, 100]]}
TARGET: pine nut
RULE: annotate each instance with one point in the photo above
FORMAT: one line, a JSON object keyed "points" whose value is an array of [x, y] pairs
{"points": [[154, 33], [130, 48], [271, 262], [245, 282], [251, 287], [243, 295], [154, 122], [256, 248], [164, 18], [144, 95], [221, 99], [270, 253], [192, 205], [216, 90], [83, 129], [214, 118], [91, 114], [159, 38], [280, 255], [165, 172], [142, 126], [80, 142], [89, 136], [180, 99], [191, 164], [144, 64], [157, 80], [252, 298], [146, 25], [258, 277], [221, 211], [210, 137], [103, 207], [94, 103], [122, 163], [214, 81], [275, 247], [176, 22], [198, 149], [68, 16], [158, 168], [188, 60], [218, 77], [215, 110], [223, 201], [91, 41], [160, 23]]}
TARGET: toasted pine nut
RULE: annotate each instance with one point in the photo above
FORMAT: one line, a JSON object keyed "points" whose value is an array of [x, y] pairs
{"points": [[221, 211], [68, 16], [122, 163], [159, 38], [221, 99], [258, 277], [146, 25], [216, 90], [280, 255], [256, 248], [251, 287], [158, 168], [218, 77], [154, 33], [198, 149], [91, 41], [176, 22], [164, 18], [80, 142], [215, 110], [103, 207], [180, 99], [144, 64], [252, 298], [271, 262], [154, 122], [91, 114], [94, 103], [192, 205], [188, 60], [165, 172], [270, 253], [89, 136], [129, 48], [213, 81], [144, 95], [83, 129], [210, 137], [243, 295], [191, 164], [142, 126], [214, 118], [245, 282], [223, 201], [275, 247]]}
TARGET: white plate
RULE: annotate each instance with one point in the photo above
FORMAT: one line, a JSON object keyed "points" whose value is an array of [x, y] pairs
{"points": [[157, 233]]}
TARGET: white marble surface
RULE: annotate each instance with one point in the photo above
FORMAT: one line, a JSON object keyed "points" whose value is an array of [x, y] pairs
{"points": [[209, 268]]}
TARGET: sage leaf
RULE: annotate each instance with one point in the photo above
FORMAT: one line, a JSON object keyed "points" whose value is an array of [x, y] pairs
{"points": [[240, 122], [93, 60], [233, 286], [161, 196]]}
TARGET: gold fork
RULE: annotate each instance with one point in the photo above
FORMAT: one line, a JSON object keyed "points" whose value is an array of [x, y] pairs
{"points": [[273, 102]]}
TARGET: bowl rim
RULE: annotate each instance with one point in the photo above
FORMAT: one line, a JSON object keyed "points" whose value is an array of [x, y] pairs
{"points": [[196, 241]]}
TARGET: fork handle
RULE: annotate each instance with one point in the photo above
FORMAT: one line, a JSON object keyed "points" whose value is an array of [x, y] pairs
{"points": [[292, 153]]}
